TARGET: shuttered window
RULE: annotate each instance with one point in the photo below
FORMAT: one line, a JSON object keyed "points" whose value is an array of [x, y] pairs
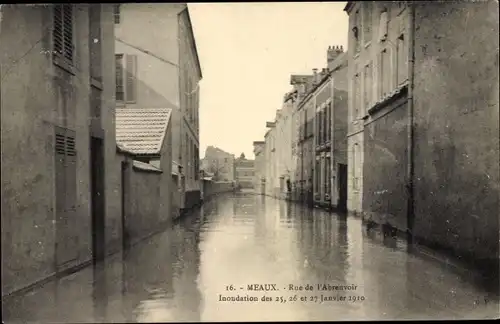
{"points": [[120, 91], [62, 33], [116, 13], [65, 158]]}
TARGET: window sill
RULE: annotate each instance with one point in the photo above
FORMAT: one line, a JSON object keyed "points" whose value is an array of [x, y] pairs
{"points": [[96, 83], [63, 64], [356, 55], [367, 44]]}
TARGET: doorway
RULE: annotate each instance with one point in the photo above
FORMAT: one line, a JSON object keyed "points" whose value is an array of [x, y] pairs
{"points": [[342, 175], [97, 198]]}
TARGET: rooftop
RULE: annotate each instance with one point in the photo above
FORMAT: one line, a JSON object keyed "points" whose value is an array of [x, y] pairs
{"points": [[141, 130]]}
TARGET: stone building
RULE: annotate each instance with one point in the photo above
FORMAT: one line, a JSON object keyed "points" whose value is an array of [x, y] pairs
{"points": [[330, 131], [271, 183], [424, 116], [61, 205], [161, 69], [245, 172], [220, 163]]}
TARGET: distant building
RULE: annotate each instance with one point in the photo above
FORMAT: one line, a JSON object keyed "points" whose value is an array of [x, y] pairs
{"points": [[245, 172], [424, 121], [219, 163]]}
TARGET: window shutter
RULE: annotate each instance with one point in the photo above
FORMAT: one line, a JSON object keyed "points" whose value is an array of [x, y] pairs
{"points": [[119, 77], [68, 32], [131, 68], [57, 34], [65, 163], [59, 169], [70, 173]]}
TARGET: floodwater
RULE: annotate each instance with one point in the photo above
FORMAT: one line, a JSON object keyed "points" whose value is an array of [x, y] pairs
{"points": [[315, 265]]}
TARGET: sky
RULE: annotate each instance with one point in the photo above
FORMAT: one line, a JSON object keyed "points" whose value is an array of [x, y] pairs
{"points": [[247, 53]]}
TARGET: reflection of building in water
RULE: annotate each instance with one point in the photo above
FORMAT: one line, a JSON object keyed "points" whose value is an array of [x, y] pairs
{"points": [[146, 273], [245, 205], [186, 271]]}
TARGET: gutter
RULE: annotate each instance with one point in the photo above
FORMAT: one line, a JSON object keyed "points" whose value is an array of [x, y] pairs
{"points": [[411, 127]]}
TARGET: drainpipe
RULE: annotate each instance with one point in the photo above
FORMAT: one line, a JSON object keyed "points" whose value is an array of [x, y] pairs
{"points": [[411, 127]]}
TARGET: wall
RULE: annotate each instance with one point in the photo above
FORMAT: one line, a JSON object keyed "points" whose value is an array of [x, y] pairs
{"points": [[149, 196], [36, 96], [385, 196], [457, 126], [189, 77], [212, 188]]}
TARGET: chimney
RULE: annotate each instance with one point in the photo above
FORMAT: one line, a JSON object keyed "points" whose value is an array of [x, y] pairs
{"points": [[333, 52], [315, 76]]}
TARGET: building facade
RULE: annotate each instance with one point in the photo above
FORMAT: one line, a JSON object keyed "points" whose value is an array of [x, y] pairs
{"points": [[161, 69], [259, 179], [300, 132], [271, 183], [60, 200], [330, 132], [219, 163], [245, 172], [417, 97]]}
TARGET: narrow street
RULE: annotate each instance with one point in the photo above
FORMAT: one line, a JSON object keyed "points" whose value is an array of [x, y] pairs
{"points": [[246, 239]]}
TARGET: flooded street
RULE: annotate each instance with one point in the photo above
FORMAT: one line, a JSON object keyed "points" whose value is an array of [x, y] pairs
{"points": [[192, 272]]}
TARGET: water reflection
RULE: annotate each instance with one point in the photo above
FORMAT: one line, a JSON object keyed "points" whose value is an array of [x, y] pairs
{"points": [[242, 239]]}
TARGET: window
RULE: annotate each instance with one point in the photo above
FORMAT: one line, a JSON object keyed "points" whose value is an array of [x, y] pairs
{"points": [[355, 157], [65, 171], [367, 22], [325, 124], [356, 97], [355, 32], [327, 176], [330, 122], [116, 13], [62, 33], [402, 58], [126, 71], [120, 91], [383, 25], [385, 73], [368, 86], [317, 173], [95, 40]]}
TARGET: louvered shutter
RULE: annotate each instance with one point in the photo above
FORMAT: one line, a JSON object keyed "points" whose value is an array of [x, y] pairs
{"points": [[57, 33], [68, 32], [65, 163], [131, 68], [60, 152], [70, 167]]}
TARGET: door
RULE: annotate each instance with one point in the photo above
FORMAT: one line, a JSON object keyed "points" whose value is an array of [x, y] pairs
{"points": [[97, 198], [182, 191], [342, 176], [65, 178]]}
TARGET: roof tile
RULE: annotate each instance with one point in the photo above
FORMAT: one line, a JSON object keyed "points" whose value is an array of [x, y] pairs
{"points": [[142, 130]]}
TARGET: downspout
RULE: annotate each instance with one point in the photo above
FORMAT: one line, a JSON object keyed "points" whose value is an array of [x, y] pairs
{"points": [[411, 127]]}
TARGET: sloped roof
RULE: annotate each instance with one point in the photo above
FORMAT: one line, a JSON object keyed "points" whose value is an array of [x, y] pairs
{"points": [[141, 130], [145, 166]]}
